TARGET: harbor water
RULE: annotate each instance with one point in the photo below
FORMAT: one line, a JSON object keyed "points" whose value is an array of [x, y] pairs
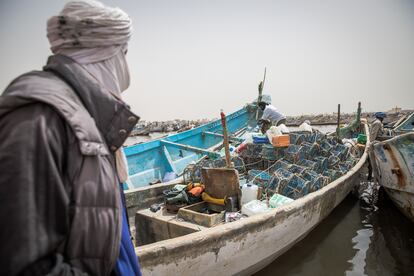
{"points": [[355, 239]]}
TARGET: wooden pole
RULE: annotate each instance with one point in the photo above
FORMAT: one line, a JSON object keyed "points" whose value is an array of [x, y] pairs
{"points": [[261, 85], [339, 121], [225, 139], [259, 98]]}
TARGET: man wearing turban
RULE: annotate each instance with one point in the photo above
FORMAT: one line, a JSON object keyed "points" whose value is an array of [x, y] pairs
{"points": [[61, 130]]}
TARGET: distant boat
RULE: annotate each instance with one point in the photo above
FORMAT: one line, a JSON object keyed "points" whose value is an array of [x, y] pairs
{"points": [[176, 247], [140, 131], [394, 165]]}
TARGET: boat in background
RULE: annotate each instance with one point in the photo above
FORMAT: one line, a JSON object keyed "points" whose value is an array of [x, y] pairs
{"points": [[165, 159], [404, 125], [140, 131], [394, 165]]}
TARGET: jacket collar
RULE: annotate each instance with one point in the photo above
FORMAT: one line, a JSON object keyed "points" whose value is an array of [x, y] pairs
{"points": [[112, 116]]}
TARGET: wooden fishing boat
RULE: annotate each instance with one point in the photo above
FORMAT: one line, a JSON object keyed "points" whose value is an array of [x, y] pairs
{"points": [[171, 246], [394, 166], [154, 161]]}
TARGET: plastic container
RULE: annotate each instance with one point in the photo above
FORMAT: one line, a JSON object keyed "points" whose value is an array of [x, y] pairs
{"points": [[260, 139], [283, 128], [362, 139], [241, 147], [273, 131], [305, 127], [281, 140], [278, 200], [248, 137], [254, 207], [249, 193]]}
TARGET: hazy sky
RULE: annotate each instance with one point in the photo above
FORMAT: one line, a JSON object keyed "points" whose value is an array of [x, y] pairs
{"points": [[189, 59]]}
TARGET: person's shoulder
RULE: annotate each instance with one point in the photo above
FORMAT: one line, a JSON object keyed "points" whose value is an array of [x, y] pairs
{"points": [[376, 123], [30, 81], [34, 125], [39, 92], [36, 115]]}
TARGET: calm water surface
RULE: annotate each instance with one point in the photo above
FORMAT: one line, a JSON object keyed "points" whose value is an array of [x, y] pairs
{"points": [[353, 240]]}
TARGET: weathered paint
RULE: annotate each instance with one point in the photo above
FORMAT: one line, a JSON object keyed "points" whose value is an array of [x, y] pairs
{"points": [[245, 246], [394, 160], [405, 126]]}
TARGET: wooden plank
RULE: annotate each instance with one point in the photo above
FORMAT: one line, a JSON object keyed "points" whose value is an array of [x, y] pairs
{"points": [[169, 160]]}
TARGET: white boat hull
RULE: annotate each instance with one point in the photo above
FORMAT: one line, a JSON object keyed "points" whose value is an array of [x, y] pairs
{"points": [[248, 245]]}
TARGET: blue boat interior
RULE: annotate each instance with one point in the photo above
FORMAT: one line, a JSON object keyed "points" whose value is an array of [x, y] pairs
{"points": [[160, 159]]}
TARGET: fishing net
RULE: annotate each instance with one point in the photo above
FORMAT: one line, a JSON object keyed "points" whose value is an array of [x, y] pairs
{"points": [[309, 163]]}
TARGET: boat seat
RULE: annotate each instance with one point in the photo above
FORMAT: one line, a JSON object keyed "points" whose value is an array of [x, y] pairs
{"points": [[153, 227]]}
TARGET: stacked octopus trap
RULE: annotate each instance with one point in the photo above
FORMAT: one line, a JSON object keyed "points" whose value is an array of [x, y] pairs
{"points": [[308, 163]]}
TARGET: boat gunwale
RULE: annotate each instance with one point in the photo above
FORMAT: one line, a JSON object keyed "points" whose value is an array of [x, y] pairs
{"points": [[399, 136], [143, 147], [399, 127], [226, 230]]}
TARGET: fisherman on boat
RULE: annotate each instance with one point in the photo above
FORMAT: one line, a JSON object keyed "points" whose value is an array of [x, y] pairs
{"points": [[377, 127], [61, 129], [271, 116], [376, 133]]}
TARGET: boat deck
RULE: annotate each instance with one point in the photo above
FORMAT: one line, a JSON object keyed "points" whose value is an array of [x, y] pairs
{"points": [[161, 225]]}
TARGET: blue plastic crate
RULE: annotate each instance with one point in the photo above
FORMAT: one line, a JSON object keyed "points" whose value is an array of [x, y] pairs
{"points": [[260, 139]]}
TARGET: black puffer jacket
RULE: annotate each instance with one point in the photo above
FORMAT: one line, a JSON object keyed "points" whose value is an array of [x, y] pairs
{"points": [[59, 191]]}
